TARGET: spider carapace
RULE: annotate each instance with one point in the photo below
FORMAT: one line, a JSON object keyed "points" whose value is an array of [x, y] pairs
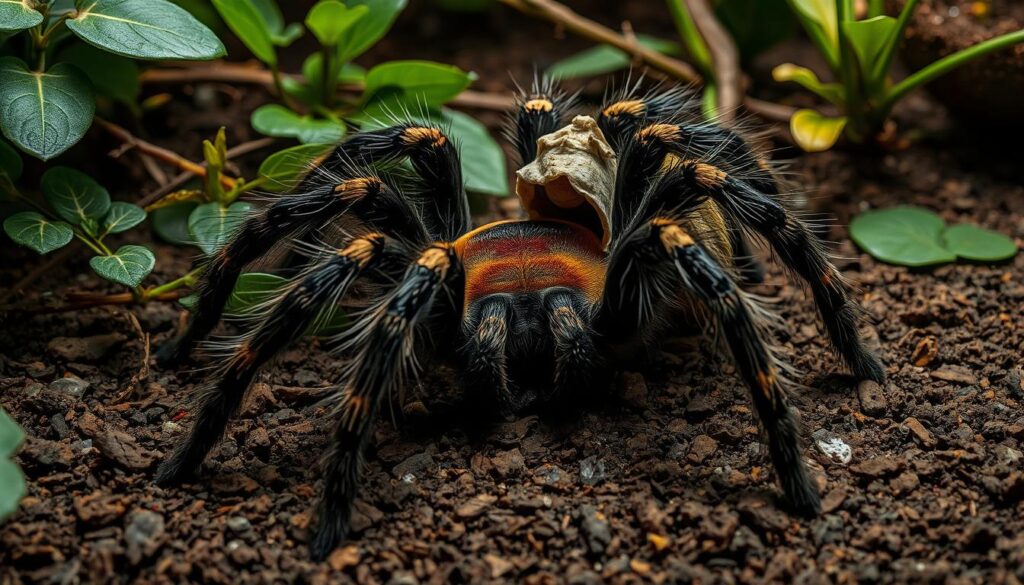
{"points": [[638, 222]]}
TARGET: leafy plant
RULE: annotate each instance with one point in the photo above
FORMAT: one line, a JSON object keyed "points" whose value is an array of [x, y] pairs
{"points": [[75, 50], [912, 236], [860, 54], [314, 111], [12, 482]]}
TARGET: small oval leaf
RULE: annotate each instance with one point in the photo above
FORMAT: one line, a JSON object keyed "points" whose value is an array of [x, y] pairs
{"points": [[606, 59], [17, 15], [129, 265], [44, 113], [12, 482], [419, 82], [252, 26], [908, 236], [285, 169], [814, 132], [75, 196], [371, 27], [330, 20], [832, 92], [211, 225], [31, 229], [978, 244], [122, 217], [145, 29], [277, 120]]}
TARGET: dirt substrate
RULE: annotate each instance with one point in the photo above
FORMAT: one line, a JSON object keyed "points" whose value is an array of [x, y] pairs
{"points": [[666, 483]]}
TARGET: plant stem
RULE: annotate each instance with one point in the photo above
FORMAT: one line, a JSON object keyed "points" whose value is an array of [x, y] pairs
{"points": [[889, 50], [691, 37], [849, 75], [275, 74], [188, 279], [92, 246], [947, 64], [725, 61], [818, 37], [328, 81]]}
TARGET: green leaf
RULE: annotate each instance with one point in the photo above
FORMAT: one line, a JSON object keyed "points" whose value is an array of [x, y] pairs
{"points": [[128, 266], [371, 27], [211, 225], [330, 20], [483, 161], [73, 195], [277, 120], [605, 59], [144, 29], [908, 236], [351, 73], [280, 34], [869, 39], [31, 229], [16, 15], [44, 114], [123, 217], [824, 14], [12, 482], [979, 244], [814, 132], [171, 223], [10, 163], [250, 26], [832, 92], [111, 75], [285, 169], [11, 435], [416, 82], [253, 289]]}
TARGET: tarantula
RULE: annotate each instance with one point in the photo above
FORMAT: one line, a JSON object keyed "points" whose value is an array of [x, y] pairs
{"points": [[644, 234]]}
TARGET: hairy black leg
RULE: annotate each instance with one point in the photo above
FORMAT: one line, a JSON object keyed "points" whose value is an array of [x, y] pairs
{"points": [[387, 340], [701, 276], [297, 310], [540, 111], [576, 357], [485, 370], [628, 111], [797, 247]]}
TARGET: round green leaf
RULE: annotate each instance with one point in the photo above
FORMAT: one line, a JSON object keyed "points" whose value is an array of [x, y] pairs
{"points": [[908, 236], [44, 113], [329, 20], [16, 15], [10, 163], [74, 196], [285, 169], [277, 120], [123, 217], [211, 225], [253, 289], [420, 82], [128, 266], [975, 243], [814, 132], [250, 26], [605, 59], [31, 229], [111, 75], [11, 435], [171, 223], [371, 27], [145, 29], [12, 487]]}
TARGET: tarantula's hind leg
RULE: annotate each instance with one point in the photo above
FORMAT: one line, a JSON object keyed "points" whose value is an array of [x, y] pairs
{"points": [[576, 357], [288, 321], [485, 370]]}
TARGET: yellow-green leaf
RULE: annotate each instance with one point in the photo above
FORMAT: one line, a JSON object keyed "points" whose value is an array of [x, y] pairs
{"points": [[868, 39], [832, 92], [814, 132], [824, 14]]}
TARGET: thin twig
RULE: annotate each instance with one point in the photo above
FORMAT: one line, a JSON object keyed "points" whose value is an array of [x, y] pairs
{"points": [[725, 58], [158, 152], [573, 22], [143, 372]]}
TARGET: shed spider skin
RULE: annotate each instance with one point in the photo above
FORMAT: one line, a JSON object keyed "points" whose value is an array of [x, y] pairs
{"points": [[540, 309]]}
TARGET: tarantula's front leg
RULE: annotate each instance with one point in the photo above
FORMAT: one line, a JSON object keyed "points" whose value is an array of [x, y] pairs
{"points": [[664, 245], [540, 111], [386, 340], [293, 315]]}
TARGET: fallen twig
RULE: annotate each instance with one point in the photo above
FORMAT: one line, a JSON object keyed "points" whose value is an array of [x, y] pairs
{"points": [[143, 371], [725, 59]]}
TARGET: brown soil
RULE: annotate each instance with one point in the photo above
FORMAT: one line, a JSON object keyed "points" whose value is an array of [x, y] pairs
{"points": [[667, 484]]}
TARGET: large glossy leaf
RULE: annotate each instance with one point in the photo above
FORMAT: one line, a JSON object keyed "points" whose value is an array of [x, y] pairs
{"points": [[832, 92], [211, 225], [814, 132], [824, 14], [330, 20], [171, 223], [908, 236], [122, 217], [371, 27], [145, 29], [129, 265], [416, 82], [277, 120], [250, 26], [17, 15], [285, 169], [868, 39], [12, 483], [979, 244], [75, 196], [44, 114], [31, 229], [606, 59], [111, 75]]}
